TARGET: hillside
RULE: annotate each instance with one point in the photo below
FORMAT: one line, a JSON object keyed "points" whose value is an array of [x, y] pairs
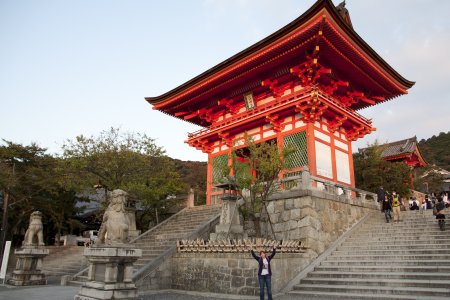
{"points": [[436, 150], [193, 174]]}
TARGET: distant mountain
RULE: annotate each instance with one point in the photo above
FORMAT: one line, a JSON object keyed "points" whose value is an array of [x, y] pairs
{"points": [[436, 150]]}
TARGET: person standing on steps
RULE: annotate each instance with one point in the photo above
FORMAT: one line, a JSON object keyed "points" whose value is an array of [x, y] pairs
{"points": [[440, 214], [396, 206], [387, 206], [445, 199], [414, 205], [264, 272], [381, 195]]}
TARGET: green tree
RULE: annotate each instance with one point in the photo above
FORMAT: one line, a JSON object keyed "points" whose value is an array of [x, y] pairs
{"points": [[435, 150], [129, 161], [256, 168], [30, 180], [371, 172]]}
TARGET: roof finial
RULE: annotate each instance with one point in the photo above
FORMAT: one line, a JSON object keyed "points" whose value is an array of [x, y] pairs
{"points": [[343, 12]]}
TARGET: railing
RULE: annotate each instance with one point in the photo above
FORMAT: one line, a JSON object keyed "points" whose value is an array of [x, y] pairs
{"points": [[239, 245], [156, 262], [306, 181]]}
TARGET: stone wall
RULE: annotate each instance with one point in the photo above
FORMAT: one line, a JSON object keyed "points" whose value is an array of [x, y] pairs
{"points": [[312, 216], [232, 273]]}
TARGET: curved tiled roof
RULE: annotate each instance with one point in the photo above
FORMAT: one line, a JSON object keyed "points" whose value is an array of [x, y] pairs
{"points": [[406, 146]]}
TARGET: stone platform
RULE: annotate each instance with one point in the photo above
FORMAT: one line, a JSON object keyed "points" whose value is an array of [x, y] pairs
{"points": [[110, 274], [29, 266]]}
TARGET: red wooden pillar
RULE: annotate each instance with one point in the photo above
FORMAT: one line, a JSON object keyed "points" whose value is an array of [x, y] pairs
{"points": [[333, 157], [350, 160], [311, 148], [209, 180]]}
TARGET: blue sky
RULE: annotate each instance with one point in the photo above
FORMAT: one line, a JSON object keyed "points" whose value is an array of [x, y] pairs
{"points": [[79, 67]]}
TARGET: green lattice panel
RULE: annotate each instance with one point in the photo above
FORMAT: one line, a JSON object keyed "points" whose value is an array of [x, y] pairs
{"points": [[242, 170], [219, 171], [300, 157]]}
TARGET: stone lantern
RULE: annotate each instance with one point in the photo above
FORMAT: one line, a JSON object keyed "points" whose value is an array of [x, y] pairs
{"points": [[230, 226]]}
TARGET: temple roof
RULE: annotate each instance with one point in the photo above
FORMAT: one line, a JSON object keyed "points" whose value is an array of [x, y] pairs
{"points": [[324, 25], [399, 147], [399, 150]]}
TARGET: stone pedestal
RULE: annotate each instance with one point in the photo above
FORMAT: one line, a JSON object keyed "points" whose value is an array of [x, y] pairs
{"points": [[110, 274], [29, 266], [190, 199], [130, 212]]}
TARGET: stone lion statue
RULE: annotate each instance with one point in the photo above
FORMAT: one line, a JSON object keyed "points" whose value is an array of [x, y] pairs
{"points": [[114, 228], [34, 231]]}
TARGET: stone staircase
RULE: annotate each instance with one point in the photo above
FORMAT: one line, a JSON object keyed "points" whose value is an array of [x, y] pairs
{"points": [[158, 241], [379, 260], [64, 260], [155, 242]]}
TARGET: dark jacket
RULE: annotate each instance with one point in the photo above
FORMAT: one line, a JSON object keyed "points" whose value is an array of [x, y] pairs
{"points": [[381, 194], [386, 204], [440, 206], [260, 261]]}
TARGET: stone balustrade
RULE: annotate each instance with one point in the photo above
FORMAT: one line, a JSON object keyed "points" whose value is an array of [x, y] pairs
{"points": [[240, 245], [305, 181]]}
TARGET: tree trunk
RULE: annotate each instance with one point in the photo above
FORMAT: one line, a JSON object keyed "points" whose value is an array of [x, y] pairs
{"points": [[257, 224]]}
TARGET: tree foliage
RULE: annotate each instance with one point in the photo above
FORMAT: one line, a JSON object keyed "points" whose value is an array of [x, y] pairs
{"points": [[129, 161], [256, 168], [371, 172], [436, 150], [34, 180]]}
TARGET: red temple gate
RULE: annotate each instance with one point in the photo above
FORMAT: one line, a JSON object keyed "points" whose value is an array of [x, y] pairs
{"points": [[301, 86]]}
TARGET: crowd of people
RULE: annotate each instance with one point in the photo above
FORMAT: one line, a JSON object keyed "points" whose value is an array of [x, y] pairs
{"points": [[392, 202]]}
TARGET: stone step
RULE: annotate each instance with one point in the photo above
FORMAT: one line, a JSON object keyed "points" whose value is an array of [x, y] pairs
{"points": [[411, 291], [408, 231], [374, 257], [402, 224], [423, 239], [340, 295], [400, 235], [152, 249], [162, 238], [415, 220], [400, 251], [361, 248], [391, 282], [75, 283], [385, 268], [386, 274], [155, 246], [353, 262]]}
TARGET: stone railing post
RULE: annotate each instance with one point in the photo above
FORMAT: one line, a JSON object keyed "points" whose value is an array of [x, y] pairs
{"points": [[330, 188], [306, 179], [363, 196], [348, 193]]}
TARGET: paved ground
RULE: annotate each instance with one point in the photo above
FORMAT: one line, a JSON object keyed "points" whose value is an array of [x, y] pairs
{"points": [[55, 292], [49, 292]]}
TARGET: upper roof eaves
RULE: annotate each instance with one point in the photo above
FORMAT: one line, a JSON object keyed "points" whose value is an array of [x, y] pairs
{"points": [[311, 12]]}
